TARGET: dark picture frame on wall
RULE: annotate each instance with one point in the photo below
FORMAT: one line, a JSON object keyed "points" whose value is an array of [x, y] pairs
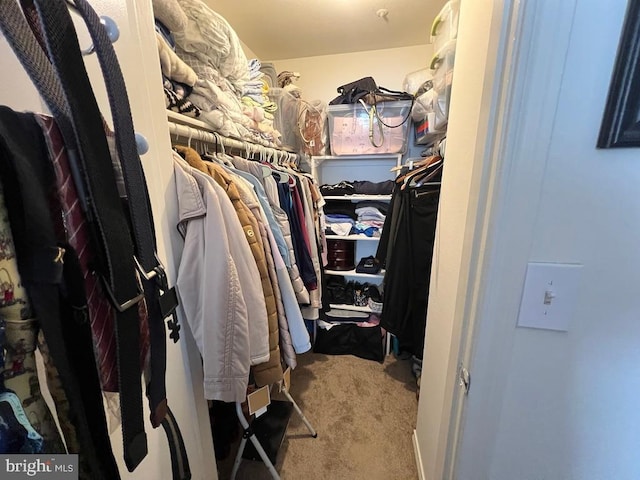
{"points": [[621, 120]]}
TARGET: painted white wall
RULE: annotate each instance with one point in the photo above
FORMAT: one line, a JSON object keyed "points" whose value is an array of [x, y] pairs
{"points": [[137, 54], [553, 405], [247, 51], [322, 75]]}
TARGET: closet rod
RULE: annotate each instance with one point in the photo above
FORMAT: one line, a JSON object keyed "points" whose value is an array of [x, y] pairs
{"points": [[197, 135]]}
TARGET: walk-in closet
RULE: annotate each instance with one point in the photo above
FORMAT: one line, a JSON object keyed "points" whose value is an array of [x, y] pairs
{"points": [[221, 224]]}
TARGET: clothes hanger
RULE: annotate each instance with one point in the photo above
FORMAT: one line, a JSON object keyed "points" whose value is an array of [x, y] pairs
{"points": [[419, 163], [280, 174], [422, 178], [415, 175], [189, 138], [420, 166], [251, 153], [222, 156], [200, 146]]}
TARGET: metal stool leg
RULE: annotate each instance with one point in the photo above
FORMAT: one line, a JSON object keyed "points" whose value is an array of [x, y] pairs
{"points": [[236, 464], [248, 433], [304, 419]]}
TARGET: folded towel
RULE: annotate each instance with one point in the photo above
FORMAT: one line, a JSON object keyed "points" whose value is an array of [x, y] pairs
{"points": [[342, 229]]}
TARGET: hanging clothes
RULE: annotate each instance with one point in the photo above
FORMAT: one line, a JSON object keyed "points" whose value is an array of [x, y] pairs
{"points": [[294, 337], [406, 249], [282, 222], [249, 199], [215, 304], [287, 194], [271, 371]]}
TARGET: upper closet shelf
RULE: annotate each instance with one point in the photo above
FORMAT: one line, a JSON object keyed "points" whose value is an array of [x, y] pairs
{"points": [[316, 161], [191, 122], [378, 156]]}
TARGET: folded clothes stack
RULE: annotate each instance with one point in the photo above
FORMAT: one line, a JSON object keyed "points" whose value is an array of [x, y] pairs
{"points": [[365, 218], [370, 265], [338, 224], [178, 78], [199, 49]]}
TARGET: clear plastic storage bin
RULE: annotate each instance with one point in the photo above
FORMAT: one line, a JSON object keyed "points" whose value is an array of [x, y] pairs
{"points": [[445, 25], [286, 118], [442, 67], [425, 134], [349, 127]]}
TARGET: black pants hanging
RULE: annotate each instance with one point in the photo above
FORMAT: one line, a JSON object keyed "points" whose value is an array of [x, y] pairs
{"points": [[409, 255]]}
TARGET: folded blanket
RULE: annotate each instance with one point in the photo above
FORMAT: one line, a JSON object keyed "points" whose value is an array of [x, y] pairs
{"points": [[170, 13], [179, 104], [382, 207], [366, 229], [338, 218], [172, 66], [209, 38], [341, 188], [254, 67], [369, 213]]}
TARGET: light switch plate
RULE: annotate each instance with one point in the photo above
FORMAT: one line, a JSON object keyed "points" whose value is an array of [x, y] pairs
{"points": [[550, 295]]}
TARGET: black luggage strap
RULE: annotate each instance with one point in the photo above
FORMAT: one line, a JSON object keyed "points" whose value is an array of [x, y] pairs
{"points": [[106, 219]]}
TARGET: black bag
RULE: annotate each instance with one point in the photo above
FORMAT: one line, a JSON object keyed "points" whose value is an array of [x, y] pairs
{"points": [[368, 91], [351, 339], [354, 91]]}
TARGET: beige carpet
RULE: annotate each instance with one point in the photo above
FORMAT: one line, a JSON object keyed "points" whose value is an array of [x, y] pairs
{"points": [[364, 413]]}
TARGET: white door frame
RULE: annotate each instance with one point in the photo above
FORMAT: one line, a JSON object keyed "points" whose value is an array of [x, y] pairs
{"points": [[505, 43], [477, 103], [533, 44]]}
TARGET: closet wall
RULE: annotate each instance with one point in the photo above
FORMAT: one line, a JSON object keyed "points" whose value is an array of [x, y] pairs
{"points": [[138, 56], [567, 402], [247, 50], [321, 75]]}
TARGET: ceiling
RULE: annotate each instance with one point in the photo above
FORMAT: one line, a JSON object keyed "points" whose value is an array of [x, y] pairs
{"points": [[279, 29]]}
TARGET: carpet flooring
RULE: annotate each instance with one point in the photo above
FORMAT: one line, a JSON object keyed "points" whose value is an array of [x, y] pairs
{"points": [[364, 413]]}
